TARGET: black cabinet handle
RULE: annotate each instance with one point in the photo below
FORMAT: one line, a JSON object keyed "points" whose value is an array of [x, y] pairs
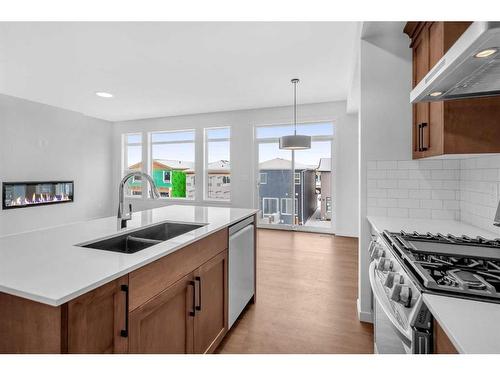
{"points": [[424, 148], [193, 312], [198, 278], [124, 332]]}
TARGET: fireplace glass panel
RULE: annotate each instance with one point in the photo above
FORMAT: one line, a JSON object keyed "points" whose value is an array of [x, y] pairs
{"points": [[27, 194]]}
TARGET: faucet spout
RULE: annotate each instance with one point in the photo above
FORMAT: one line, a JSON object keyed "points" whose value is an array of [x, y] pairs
{"points": [[122, 216]]}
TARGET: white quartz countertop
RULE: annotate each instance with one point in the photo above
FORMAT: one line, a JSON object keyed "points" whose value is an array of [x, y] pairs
{"points": [[472, 326], [46, 265]]}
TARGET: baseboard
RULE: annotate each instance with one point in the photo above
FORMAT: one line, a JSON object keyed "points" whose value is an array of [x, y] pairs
{"points": [[364, 316]]}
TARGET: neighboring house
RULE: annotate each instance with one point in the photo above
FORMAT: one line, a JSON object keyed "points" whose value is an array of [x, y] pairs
{"points": [[173, 178], [219, 180], [324, 173], [275, 178]]}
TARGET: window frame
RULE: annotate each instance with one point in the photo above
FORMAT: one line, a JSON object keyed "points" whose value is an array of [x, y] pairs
{"points": [[286, 201], [270, 199], [206, 178], [151, 159], [124, 165], [260, 178]]}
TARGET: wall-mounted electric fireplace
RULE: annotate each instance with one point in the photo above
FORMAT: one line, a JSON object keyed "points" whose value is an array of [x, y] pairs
{"points": [[28, 194]]}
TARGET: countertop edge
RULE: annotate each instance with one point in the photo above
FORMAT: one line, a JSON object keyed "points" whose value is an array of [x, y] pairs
{"points": [[61, 301], [443, 324]]}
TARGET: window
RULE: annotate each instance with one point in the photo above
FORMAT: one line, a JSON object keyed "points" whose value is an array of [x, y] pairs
{"points": [[269, 206], [166, 177], [218, 164], [132, 161], [263, 178], [286, 206], [172, 163], [297, 178]]}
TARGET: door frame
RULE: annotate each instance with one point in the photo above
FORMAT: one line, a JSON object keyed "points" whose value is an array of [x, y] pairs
{"points": [[333, 155]]}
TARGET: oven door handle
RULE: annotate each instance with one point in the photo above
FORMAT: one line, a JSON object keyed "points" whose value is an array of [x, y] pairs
{"points": [[384, 302]]}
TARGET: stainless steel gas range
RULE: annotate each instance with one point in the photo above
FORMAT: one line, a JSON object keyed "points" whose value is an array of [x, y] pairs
{"points": [[405, 265]]}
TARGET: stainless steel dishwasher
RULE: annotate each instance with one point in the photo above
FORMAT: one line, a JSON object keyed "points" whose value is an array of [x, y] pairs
{"points": [[241, 267]]}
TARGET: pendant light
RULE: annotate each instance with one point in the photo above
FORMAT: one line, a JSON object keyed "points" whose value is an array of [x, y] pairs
{"points": [[295, 141]]}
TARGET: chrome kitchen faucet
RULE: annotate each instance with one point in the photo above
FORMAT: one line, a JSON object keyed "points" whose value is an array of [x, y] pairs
{"points": [[122, 216]]}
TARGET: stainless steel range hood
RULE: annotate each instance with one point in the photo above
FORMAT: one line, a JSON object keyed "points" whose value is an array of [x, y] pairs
{"points": [[461, 73]]}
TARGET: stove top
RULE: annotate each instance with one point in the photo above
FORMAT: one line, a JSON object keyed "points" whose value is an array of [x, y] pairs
{"points": [[457, 265]]}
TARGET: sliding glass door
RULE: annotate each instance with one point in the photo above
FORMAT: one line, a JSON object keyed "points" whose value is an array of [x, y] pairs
{"points": [[294, 188]]}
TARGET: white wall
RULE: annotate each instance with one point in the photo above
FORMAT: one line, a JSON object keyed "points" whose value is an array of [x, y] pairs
{"points": [[40, 142], [384, 121], [243, 181]]}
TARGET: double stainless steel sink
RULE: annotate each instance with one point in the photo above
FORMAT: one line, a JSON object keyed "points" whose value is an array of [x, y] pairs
{"points": [[141, 239]]}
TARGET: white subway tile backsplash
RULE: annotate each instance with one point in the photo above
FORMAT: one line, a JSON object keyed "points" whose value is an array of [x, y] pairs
{"points": [[409, 203], [420, 213], [420, 194], [419, 174], [387, 164], [397, 193], [397, 174], [432, 203], [443, 194], [408, 164], [431, 164], [387, 184], [466, 189], [413, 188], [397, 212]]}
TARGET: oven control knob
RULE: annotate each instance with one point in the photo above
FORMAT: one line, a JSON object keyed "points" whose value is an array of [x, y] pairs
{"points": [[393, 278], [384, 264], [378, 253], [401, 293]]}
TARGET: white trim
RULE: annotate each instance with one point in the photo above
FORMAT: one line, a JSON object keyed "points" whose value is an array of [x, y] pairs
{"points": [[260, 178], [277, 206], [206, 179], [363, 316]]}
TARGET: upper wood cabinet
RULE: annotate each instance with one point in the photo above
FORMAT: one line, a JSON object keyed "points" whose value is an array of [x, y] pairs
{"points": [[465, 126]]}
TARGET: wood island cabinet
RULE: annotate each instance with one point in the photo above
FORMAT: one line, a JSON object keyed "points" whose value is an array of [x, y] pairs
{"points": [[164, 324], [176, 304], [442, 343], [97, 320], [464, 126]]}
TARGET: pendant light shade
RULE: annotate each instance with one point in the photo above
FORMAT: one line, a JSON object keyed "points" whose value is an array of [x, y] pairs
{"points": [[295, 141]]}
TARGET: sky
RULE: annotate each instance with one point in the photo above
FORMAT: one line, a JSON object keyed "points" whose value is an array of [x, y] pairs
{"points": [[218, 150]]}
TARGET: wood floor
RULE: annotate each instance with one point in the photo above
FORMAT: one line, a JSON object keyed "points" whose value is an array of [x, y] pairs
{"points": [[306, 301]]}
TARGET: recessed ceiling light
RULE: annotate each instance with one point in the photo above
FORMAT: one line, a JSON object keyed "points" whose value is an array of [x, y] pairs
{"points": [[436, 93], [103, 94], [486, 52]]}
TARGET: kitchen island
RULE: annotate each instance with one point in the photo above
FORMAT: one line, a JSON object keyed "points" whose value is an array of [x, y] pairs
{"points": [[57, 296]]}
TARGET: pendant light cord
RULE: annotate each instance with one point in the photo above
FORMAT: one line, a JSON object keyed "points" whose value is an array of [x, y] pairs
{"points": [[295, 81]]}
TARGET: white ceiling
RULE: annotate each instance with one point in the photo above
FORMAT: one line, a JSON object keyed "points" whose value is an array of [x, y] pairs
{"points": [[171, 68]]}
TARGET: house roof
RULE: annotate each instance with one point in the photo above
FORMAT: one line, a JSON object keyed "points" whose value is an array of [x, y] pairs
{"points": [[219, 166], [325, 165], [280, 163]]}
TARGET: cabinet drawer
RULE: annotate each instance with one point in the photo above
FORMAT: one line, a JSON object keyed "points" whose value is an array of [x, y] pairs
{"points": [[148, 281]]}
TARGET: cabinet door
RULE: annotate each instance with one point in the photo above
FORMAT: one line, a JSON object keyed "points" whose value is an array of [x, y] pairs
{"points": [[211, 304], [96, 320], [420, 110], [164, 324]]}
